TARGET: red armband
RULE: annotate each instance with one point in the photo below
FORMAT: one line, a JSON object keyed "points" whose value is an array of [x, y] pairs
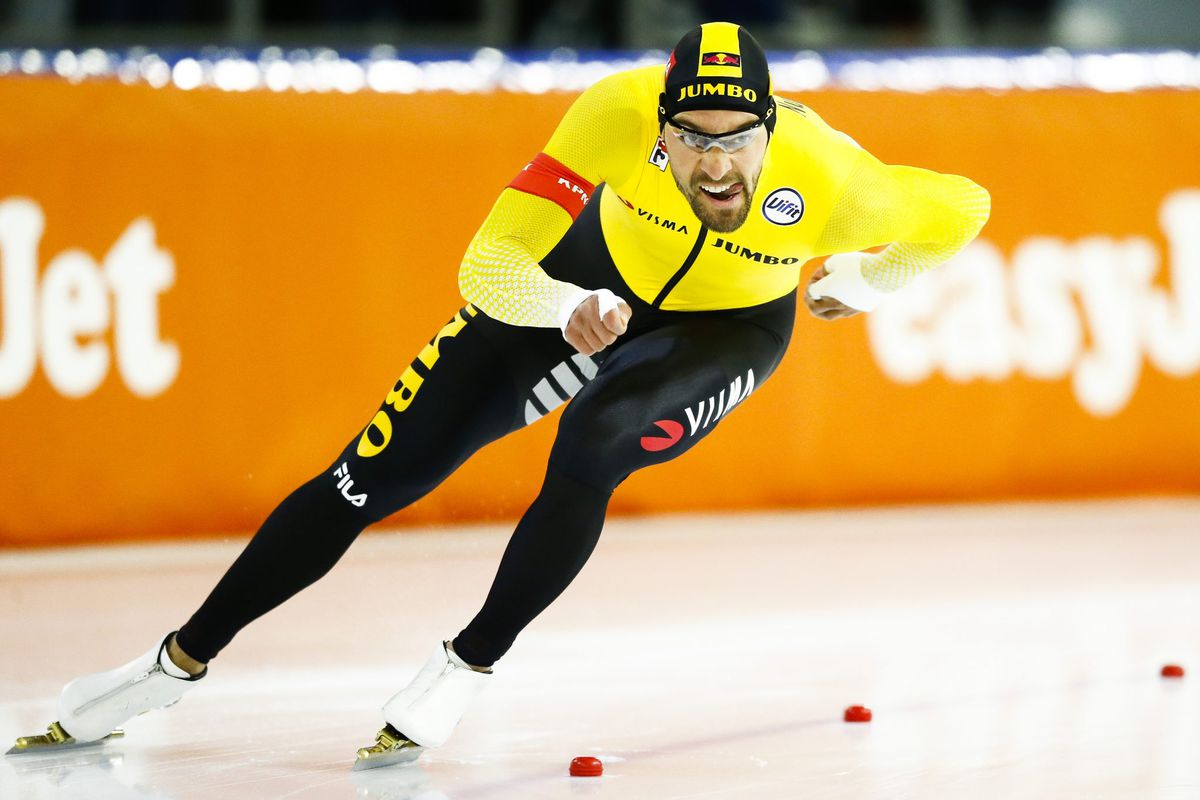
{"points": [[547, 178]]}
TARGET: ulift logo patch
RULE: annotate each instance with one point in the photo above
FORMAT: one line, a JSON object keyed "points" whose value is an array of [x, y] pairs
{"points": [[659, 157], [783, 206]]}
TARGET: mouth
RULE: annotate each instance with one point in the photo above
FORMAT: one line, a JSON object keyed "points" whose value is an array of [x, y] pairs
{"points": [[722, 195]]}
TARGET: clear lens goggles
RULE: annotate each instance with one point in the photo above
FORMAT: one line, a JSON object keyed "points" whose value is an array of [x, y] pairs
{"points": [[703, 142]]}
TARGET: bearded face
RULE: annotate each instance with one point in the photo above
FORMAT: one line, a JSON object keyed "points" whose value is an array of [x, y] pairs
{"points": [[723, 204], [718, 185]]}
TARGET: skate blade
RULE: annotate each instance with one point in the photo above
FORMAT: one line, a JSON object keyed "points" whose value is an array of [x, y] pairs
{"points": [[390, 748], [55, 740]]}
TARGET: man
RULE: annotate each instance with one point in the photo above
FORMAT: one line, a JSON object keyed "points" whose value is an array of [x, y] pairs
{"points": [[670, 288]]}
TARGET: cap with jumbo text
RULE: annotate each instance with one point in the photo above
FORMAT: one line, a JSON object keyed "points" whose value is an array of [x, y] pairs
{"points": [[717, 66]]}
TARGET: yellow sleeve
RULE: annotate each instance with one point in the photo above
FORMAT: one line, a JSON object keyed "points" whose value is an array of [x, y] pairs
{"points": [[601, 134], [924, 217], [500, 272]]}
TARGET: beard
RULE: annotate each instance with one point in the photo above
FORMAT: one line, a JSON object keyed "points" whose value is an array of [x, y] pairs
{"points": [[719, 219]]}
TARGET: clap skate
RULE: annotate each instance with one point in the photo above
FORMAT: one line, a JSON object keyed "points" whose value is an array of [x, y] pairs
{"points": [[391, 747], [55, 739], [424, 713], [91, 707]]}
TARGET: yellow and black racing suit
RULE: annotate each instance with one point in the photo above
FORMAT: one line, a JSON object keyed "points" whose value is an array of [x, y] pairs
{"points": [[712, 316]]}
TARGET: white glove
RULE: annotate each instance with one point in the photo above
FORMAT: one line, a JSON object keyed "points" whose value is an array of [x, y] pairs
{"points": [[607, 302], [846, 284]]}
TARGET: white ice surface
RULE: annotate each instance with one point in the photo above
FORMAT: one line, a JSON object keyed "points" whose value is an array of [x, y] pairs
{"points": [[1008, 651]]}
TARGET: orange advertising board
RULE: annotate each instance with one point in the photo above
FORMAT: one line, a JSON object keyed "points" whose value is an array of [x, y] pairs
{"points": [[205, 295]]}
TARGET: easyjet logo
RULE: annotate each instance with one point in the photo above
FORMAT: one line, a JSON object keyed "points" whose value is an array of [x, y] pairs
{"points": [[1092, 312], [63, 317]]}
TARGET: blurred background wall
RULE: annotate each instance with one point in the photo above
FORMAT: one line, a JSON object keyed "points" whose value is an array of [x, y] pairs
{"points": [[609, 24], [222, 240]]}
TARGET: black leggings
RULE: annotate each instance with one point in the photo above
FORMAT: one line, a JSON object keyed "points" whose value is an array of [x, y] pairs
{"points": [[649, 398]]}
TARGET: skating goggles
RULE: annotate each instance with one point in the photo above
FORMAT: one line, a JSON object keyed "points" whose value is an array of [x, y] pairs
{"points": [[702, 142]]}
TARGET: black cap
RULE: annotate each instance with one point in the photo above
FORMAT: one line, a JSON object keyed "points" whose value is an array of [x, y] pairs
{"points": [[717, 66]]}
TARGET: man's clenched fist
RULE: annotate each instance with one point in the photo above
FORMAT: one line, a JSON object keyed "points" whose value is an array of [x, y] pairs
{"points": [[597, 322]]}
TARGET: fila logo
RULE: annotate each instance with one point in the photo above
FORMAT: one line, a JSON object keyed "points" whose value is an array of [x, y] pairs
{"points": [[705, 413], [783, 206], [658, 156], [345, 484], [574, 188]]}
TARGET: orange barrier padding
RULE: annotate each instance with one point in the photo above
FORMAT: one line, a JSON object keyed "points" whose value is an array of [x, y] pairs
{"points": [[206, 295]]}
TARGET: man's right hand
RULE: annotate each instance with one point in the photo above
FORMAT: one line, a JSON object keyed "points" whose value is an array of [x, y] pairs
{"points": [[589, 331]]}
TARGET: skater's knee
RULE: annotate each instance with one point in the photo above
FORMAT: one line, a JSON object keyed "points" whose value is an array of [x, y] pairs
{"points": [[613, 433], [592, 448]]}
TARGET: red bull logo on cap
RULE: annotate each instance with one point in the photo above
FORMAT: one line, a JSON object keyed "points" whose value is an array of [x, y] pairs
{"points": [[721, 60]]}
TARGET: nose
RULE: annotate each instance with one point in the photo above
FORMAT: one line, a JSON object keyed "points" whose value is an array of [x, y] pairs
{"points": [[715, 163]]}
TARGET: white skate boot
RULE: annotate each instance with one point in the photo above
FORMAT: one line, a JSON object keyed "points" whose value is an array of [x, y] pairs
{"points": [[92, 706], [424, 713]]}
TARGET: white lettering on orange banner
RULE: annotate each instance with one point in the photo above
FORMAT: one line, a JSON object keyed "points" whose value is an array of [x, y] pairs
{"points": [[67, 314], [1091, 310]]}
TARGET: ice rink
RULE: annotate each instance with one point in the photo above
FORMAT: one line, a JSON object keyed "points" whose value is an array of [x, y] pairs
{"points": [[1007, 651]]}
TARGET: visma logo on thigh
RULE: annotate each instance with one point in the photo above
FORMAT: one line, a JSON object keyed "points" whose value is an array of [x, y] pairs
{"points": [[346, 484], [700, 416]]}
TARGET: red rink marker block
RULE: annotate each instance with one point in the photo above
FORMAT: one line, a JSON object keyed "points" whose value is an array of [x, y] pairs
{"points": [[586, 767], [857, 714], [1172, 671]]}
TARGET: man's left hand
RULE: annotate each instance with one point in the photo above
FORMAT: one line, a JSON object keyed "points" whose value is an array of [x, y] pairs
{"points": [[826, 307]]}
